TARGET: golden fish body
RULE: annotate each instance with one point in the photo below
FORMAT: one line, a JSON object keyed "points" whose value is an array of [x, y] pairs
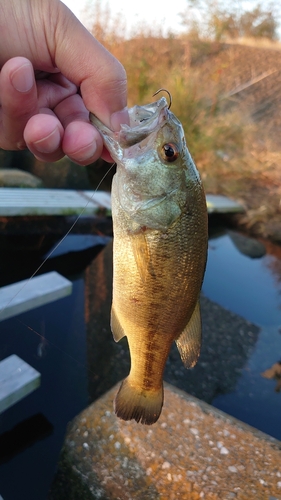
{"points": [[159, 253]]}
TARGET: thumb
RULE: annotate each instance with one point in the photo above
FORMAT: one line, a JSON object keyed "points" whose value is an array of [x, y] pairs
{"points": [[84, 61]]}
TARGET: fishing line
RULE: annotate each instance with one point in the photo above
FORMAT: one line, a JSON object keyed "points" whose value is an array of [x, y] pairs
{"points": [[59, 243], [43, 337]]}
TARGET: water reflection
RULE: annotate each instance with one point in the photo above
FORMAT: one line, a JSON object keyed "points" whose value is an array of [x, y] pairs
{"points": [[251, 288], [274, 372], [228, 341], [273, 261], [247, 246], [43, 344], [107, 361], [248, 287]]}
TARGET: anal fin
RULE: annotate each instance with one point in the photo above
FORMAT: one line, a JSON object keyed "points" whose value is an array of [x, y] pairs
{"points": [[189, 341], [117, 330]]}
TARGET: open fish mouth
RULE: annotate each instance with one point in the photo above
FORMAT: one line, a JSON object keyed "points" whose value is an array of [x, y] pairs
{"points": [[144, 121]]}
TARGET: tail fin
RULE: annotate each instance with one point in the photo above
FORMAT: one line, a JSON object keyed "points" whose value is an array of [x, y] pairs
{"points": [[141, 405]]}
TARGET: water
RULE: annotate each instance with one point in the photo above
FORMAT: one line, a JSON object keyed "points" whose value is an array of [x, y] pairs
{"points": [[52, 339], [247, 286], [252, 289], [63, 391], [72, 378]]}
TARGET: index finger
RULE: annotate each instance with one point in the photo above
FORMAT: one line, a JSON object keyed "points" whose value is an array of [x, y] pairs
{"points": [[18, 101]]}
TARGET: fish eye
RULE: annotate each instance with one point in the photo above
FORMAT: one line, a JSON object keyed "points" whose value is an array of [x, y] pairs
{"points": [[169, 152]]}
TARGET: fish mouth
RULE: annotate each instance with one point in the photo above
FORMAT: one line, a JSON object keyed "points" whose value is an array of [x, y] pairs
{"points": [[144, 121]]}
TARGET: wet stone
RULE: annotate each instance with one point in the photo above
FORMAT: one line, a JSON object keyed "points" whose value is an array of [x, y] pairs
{"points": [[126, 460]]}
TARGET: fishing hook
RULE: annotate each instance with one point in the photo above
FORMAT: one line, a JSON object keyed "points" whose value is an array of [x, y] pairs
{"points": [[165, 90]]}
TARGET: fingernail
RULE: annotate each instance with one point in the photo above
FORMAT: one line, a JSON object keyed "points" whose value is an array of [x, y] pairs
{"points": [[119, 118], [22, 78], [50, 143]]}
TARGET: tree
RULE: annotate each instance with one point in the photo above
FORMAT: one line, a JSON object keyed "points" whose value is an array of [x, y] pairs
{"points": [[259, 23], [213, 19]]}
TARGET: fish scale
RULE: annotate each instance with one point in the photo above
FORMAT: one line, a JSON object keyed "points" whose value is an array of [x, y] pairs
{"points": [[159, 253]]}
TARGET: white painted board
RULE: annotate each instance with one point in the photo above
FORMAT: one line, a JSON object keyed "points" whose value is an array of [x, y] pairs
{"points": [[24, 201], [222, 204], [17, 380], [28, 294]]}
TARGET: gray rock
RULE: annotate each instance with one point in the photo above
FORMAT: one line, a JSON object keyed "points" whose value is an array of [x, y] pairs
{"points": [[106, 458], [18, 178]]}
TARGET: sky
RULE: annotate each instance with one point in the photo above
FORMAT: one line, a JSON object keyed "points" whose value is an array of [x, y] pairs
{"points": [[147, 10], [152, 12]]}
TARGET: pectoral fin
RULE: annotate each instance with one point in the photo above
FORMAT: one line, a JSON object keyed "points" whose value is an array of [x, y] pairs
{"points": [[189, 341], [117, 330], [141, 254]]}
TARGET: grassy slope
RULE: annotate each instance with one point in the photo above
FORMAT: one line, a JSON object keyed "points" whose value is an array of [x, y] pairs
{"points": [[228, 97]]}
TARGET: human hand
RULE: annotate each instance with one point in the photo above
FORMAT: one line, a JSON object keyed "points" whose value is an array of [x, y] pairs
{"points": [[48, 60]]}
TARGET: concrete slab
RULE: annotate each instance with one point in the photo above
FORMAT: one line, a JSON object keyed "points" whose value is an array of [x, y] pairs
{"points": [[19, 202], [28, 294], [194, 451], [17, 380], [222, 204]]}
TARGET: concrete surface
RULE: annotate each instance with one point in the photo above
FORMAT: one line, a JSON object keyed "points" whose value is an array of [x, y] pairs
{"points": [[194, 451]]}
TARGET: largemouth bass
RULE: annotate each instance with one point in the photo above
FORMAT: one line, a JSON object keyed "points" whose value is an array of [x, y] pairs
{"points": [[159, 252]]}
